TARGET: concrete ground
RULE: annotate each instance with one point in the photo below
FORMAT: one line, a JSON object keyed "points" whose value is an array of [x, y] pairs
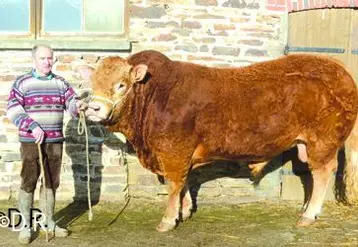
{"points": [[251, 224]]}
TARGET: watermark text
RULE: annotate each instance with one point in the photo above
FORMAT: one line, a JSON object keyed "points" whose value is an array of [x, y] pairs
{"points": [[17, 221]]}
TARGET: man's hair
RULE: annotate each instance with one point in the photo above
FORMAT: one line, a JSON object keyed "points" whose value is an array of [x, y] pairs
{"points": [[34, 49]]}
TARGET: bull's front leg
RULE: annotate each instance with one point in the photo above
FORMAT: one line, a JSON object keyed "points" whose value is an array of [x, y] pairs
{"points": [[171, 215]]}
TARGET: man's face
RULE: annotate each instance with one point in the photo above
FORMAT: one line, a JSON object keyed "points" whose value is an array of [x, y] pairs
{"points": [[43, 61]]}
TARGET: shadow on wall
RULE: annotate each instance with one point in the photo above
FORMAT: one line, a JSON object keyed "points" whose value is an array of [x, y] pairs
{"points": [[75, 148], [226, 169], [217, 170]]}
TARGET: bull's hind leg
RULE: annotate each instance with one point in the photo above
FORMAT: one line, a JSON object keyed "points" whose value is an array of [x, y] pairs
{"points": [[187, 203], [321, 177], [171, 215]]}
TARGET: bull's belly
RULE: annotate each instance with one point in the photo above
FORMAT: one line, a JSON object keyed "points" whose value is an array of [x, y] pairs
{"points": [[244, 157], [253, 150]]}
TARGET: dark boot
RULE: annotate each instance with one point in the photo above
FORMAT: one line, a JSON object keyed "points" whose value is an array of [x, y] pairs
{"points": [[47, 207], [25, 205]]}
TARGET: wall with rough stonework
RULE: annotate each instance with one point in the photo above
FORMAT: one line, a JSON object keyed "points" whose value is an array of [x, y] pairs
{"points": [[210, 32], [215, 32]]}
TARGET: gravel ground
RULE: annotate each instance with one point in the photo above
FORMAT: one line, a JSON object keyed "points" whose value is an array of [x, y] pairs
{"points": [[250, 224]]}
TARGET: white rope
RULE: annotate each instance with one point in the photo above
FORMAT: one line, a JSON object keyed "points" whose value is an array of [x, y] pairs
{"points": [[82, 128]]}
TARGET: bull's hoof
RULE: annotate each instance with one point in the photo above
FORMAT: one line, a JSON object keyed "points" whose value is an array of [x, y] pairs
{"points": [[304, 221], [301, 212], [186, 214], [166, 226]]}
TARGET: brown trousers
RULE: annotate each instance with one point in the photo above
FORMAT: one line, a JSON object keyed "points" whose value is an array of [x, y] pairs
{"points": [[31, 169]]}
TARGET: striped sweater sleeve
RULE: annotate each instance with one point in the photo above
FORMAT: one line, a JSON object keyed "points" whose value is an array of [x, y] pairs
{"points": [[70, 100], [15, 110]]}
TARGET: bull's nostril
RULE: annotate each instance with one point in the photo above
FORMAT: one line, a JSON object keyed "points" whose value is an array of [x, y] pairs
{"points": [[94, 106]]}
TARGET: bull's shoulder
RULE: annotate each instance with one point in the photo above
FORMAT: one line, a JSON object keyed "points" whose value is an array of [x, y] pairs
{"points": [[148, 57]]}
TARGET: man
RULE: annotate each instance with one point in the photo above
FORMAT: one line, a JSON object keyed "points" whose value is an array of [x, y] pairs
{"points": [[36, 105]]}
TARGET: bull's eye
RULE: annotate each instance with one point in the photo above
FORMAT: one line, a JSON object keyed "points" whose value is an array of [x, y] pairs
{"points": [[119, 87]]}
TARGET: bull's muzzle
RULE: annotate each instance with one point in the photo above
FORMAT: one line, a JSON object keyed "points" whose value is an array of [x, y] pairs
{"points": [[93, 109]]}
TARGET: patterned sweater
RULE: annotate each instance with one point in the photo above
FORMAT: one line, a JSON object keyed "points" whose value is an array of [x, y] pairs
{"points": [[40, 101]]}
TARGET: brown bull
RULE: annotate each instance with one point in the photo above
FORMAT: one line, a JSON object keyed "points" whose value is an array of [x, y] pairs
{"points": [[180, 115]]}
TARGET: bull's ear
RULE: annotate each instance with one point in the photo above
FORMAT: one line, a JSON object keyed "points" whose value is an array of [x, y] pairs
{"points": [[139, 71], [85, 71]]}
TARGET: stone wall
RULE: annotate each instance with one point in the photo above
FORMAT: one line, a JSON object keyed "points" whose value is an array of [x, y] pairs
{"points": [[211, 32]]}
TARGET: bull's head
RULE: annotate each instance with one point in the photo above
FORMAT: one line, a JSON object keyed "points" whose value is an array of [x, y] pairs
{"points": [[111, 83]]}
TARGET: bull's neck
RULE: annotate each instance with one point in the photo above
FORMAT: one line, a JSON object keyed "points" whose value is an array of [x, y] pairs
{"points": [[128, 118], [123, 121]]}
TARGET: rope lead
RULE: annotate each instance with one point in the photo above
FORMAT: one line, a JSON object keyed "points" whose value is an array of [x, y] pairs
{"points": [[82, 128]]}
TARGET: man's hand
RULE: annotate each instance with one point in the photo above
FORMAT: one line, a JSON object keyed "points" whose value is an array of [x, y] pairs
{"points": [[39, 134], [81, 106]]}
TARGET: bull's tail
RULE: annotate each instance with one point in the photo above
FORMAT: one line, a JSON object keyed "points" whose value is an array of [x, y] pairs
{"points": [[351, 167]]}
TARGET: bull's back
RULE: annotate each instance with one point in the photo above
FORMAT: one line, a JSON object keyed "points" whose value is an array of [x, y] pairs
{"points": [[261, 109]]}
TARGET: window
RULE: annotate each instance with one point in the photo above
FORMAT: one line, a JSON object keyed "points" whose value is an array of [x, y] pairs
{"points": [[64, 24]]}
